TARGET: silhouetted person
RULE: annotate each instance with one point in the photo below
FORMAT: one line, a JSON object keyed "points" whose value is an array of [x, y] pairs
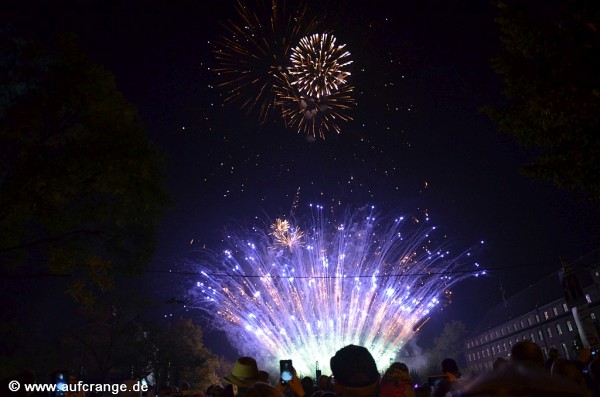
{"points": [[552, 355], [354, 372], [527, 353], [447, 387], [499, 363]]}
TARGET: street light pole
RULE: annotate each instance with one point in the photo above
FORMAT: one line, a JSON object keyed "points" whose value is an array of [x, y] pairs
{"points": [[172, 301]]}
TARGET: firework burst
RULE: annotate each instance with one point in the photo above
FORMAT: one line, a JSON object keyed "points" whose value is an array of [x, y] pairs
{"points": [[364, 281], [318, 65], [254, 51], [286, 235], [317, 95], [315, 116]]}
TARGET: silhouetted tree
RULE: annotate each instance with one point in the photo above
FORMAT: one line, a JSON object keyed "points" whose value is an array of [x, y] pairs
{"points": [[190, 360], [550, 64], [449, 344], [81, 186], [112, 339]]}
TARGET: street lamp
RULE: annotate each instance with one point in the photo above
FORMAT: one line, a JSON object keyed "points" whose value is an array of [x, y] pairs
{"points": [[173, 302]]}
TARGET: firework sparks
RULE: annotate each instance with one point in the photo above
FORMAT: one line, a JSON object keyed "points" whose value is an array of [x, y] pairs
{"points": [[363, 281], [318, 65], [315, 116], [317, 95], [286, 235], [253, 53]]}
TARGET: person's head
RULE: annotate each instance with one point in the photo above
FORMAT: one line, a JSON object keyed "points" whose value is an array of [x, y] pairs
{"points": [[354, 371], [244, 374], [308, 385], [264, 376], [528, 353], [565, 369], [400, 366], [499, 363], [214, 390], [396, 372], [553, 353], [323, 382], [449, 365], [594, 371], [262, 389], [230, 390]]}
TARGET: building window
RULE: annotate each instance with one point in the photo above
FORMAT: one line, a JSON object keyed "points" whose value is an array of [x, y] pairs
{"points": [[497, 334], [537, 318], [531, 337], [588, 298], [593, 315], [549, 332], [569, 326], [515, 327], [555, 311], [546, 315], [529, 321], [522, 324], [493, 350], [558, 329], [540, 335], [565, 351], [478, 357], [565, 307], [504, 346]]}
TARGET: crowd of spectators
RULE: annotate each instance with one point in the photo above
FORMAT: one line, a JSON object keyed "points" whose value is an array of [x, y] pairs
{"points": [[354, 373]]}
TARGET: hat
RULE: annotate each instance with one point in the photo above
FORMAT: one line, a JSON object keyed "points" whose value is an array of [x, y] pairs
{"points": [[244, 372], [354, 366]]}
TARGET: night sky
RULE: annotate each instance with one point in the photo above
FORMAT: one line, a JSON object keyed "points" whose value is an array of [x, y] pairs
{"points": [[418, 141]]}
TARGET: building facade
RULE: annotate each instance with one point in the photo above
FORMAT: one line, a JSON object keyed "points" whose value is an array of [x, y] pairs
{"points": [[540, 314]]}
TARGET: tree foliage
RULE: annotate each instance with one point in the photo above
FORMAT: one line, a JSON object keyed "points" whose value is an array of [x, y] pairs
{"points": [[550, 63], [81, 186], [190, 360], [450, 344]]}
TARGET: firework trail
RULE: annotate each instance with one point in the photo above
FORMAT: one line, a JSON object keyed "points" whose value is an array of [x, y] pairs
{"points": [[366, 281]]}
